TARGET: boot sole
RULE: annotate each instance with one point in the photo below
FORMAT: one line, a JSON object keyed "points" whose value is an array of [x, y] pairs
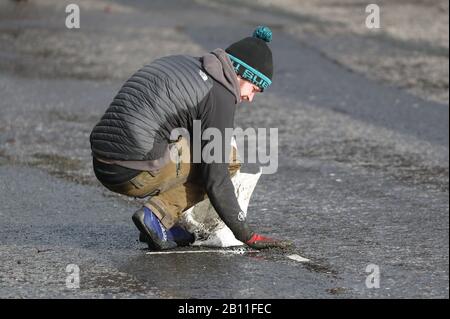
{"points": [[180, 243], [143, 238]]}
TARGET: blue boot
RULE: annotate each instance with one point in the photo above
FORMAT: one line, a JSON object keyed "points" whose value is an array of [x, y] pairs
{"points": [[151, 228], [154, 233], [181, 236]]}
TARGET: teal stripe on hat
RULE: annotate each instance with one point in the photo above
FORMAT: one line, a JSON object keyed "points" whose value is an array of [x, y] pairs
{"points": [[262, 76]]}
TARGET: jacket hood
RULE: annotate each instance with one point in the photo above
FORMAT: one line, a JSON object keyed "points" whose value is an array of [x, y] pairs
{"points": [[218, 65]]}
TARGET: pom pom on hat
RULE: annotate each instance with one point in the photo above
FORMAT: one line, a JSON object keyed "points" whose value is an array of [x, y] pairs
{"points": [[263, 33]]}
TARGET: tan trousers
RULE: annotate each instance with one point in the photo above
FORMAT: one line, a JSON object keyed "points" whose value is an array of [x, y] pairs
{"points": [[174, 188]]}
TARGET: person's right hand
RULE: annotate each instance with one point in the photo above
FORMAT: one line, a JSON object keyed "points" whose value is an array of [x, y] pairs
{"points": [[258, 241]]}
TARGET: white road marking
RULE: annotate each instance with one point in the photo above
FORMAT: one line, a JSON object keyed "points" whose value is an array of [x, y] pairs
{"points": [[298, 258], [220, 251]]}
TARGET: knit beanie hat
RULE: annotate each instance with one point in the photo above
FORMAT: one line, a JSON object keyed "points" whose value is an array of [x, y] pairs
{"points": [[252, 58]]}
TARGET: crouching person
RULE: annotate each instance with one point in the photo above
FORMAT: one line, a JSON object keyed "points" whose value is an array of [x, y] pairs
{"points": [[135, 153]]}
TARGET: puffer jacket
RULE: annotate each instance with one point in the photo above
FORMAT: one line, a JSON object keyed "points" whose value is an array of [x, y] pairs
{"points": [[167, 94], [161, 96]]}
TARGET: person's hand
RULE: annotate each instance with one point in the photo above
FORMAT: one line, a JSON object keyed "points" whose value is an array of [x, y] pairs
{"points": [[258, 241]]}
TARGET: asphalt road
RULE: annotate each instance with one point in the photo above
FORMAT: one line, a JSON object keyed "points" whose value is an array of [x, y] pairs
{"points": [[362, 167]]}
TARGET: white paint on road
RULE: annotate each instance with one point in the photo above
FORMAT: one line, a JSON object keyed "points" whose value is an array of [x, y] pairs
{"points": [[204, 251], [238, 251], [298, 258]]}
